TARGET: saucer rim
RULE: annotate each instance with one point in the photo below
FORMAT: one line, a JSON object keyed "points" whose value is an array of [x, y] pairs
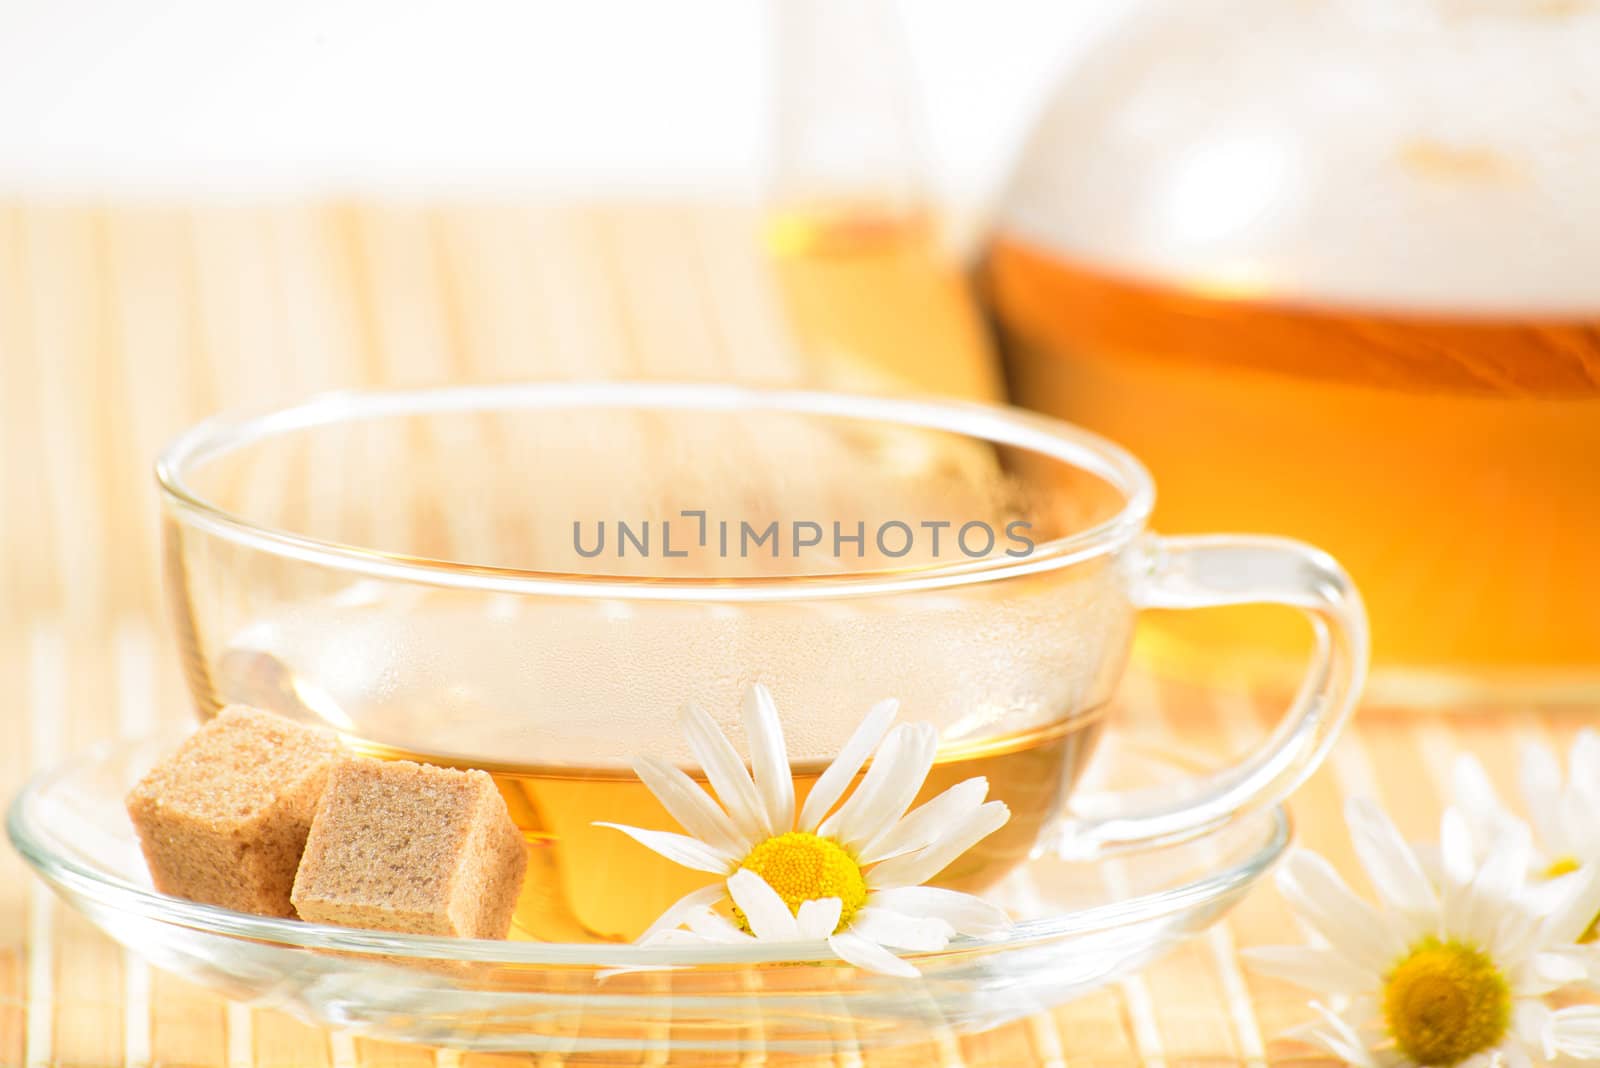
{"points": [[64, 872]]}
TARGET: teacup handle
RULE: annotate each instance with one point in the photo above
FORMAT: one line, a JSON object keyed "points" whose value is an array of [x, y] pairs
{"points": [[1209, 571]]}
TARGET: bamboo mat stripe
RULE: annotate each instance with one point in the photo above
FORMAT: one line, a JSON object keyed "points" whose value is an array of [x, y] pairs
{"points": [[119, 324], [134, 656], [46, 715]]}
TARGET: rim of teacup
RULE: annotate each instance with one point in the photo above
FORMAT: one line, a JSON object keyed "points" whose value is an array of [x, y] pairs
{"points": [[998, 424]]}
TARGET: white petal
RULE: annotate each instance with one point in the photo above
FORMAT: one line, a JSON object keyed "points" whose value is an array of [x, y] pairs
{"points": [[1336, 1044], [1455, 910], [692, 902], [1575, 1031], [965, 913], [764, 911], [874, 958], [1456, 852], [1354, 928], [830, 786], [679, 937], [1587, 846], [691, 806], [819, 917], [678, 848], [1547, 895], [1584, 780], [1390, 864], [1541, 786], [763, 732], [1340, 1037], [1530, 1022], [1475, 794], [1576, 911], [1364, 1019], [1551, 971], [925, 823], [726, 773], [915, 868], [1495, 887], [715, 926], [1311, 967], [1514, 1055], [898, 770], [1575, 815], [890, 928], [1584, 763], [1515, 939]]}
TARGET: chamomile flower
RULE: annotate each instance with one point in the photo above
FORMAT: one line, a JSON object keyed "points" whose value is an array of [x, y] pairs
{"points": [[847, 870], [1565, 814], [1438, 975]]}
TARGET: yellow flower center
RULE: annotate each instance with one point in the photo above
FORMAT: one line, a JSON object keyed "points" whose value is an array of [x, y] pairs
{"points": [[804, 867], [1562, 866], [1566, 866], [1445, 1001]]}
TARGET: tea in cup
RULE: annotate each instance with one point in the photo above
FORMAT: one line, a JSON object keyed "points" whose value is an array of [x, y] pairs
{"points": [[535, 579]]}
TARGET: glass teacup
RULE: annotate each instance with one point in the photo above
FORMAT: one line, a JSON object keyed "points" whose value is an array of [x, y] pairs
{"points": [[534, 579]]}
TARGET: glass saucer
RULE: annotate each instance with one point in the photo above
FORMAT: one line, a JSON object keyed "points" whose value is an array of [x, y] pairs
{"points": [[1081, 924]]}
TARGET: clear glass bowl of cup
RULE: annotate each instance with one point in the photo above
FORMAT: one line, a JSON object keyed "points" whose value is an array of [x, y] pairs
{"points": [[532, 580]]}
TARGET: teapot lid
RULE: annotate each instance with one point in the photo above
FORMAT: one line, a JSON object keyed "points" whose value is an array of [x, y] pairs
{"points": [[1433, 155]]}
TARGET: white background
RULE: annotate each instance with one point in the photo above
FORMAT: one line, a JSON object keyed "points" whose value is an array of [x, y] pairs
{"points": [[637, 96]]}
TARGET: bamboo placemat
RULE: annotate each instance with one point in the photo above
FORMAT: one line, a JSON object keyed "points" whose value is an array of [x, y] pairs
{"points": [[120, 325]]}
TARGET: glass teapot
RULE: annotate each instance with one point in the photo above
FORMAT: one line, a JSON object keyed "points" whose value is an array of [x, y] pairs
{"points": [[1332, 268]]}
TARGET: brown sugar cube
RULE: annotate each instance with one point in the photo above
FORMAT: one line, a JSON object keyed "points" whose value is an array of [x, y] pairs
{"points": [[224, 819], [398, 846]]}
